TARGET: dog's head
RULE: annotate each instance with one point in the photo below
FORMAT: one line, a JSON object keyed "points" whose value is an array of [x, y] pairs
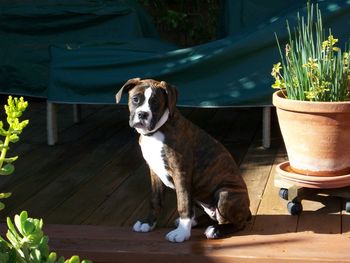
{"points": [[150, 103]]}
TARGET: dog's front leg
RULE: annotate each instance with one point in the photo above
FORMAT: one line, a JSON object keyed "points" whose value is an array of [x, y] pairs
{"points": [[185, 210], [149, 223]]}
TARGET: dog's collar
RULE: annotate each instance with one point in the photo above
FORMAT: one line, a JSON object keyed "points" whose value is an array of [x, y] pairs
{"points": [[159, 124]]}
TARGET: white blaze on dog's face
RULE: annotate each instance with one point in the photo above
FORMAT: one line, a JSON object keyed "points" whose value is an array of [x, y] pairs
{"points": [[147, 105]]}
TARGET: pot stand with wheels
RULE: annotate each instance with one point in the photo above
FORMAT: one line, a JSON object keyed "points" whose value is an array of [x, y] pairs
{"points": [[296, 187]]}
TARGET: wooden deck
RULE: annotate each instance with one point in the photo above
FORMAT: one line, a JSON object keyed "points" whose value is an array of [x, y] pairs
{"points": [[93, 185]]}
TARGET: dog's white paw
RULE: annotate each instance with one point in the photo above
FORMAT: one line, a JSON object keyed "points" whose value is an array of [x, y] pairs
{"points": [[210, 232], [194, 222], [143, 227], [182, 232]]}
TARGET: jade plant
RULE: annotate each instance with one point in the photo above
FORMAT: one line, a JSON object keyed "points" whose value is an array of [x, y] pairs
{"points": [[26, 242]]}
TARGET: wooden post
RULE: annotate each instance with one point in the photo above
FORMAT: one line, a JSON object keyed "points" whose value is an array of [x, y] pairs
{"points": [[51, 123], [266, 129]]}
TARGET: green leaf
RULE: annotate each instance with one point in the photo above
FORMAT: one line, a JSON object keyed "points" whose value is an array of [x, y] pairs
{"points": [[18, 224], [12, 238], [2, 205], [52, 257], [28, 228], [11, 227], [43, 246], [23, 124], [73, 259], [14, 138], [20, 221], [2, 241], [4, 195], [7, 169], [40, 224], [10, 159], [2, 131], [36, 256], [23, 216]]}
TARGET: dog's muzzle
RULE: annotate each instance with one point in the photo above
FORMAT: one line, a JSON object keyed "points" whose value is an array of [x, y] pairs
{"points": [[141, 120], [146, 123]]}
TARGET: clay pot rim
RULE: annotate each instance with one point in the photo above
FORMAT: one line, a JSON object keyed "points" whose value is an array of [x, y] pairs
{"points": [[281, 102], [312, 181]]}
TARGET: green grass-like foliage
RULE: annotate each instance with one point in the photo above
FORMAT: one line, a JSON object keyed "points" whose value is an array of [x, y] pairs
{"points": [[26, 242], [312, 68]]}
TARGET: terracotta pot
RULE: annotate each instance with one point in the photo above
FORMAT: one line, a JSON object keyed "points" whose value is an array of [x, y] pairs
{"points": [[316, 135]]}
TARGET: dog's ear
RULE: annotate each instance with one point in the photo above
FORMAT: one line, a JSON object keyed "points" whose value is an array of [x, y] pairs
{"points": [[172, 93], [126, 87]]}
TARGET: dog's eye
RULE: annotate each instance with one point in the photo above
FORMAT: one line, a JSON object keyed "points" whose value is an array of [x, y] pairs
{"points": [[135, 99]]}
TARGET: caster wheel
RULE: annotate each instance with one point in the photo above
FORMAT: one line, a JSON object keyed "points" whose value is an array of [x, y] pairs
{"points": [[347, 207], [294, 208], [283, 193]]}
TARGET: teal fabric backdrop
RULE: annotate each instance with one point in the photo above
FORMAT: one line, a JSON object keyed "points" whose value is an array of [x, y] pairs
{"points": [[91, 59]]}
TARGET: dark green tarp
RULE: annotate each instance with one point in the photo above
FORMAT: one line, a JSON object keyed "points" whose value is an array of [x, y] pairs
{"points": [[29, 27], [231, 71]]}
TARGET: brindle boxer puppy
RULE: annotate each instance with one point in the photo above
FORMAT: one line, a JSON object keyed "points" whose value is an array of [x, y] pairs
{"points": [[185, 158]]}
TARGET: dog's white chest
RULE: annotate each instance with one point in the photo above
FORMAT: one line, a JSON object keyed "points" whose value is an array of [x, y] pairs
{"points": [[152, 147]]}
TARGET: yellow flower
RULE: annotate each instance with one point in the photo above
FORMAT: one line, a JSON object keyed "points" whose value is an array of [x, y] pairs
{"points": [[332, 40], [317, 90], [276, 70], [279, 84], [328, 44], [311, 64], [310, 95]]}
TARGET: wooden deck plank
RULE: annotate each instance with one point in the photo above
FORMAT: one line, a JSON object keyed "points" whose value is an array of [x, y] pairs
{"points": [[115, 244], [89, 195], [34, 165], [122, 202], [272, 216], [256, 168], [166, 218], [64, 184], [325, 210]]}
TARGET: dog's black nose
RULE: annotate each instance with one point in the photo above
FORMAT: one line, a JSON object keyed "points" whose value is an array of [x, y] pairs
{"points": [[142, 115]]}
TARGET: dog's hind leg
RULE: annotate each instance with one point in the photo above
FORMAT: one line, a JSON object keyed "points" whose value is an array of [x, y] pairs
{"points": [[232, 213]]}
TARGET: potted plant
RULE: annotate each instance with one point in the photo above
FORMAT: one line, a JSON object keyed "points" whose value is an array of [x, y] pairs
{"points": [[312, 101]]}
